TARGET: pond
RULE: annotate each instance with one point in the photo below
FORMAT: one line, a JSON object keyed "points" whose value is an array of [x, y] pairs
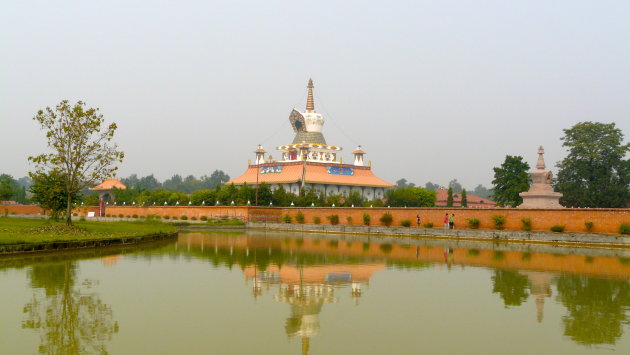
{"points": [[278, 293]]}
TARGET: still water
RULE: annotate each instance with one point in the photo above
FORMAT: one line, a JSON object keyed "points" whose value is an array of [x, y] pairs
{"points": [[276, 293]]}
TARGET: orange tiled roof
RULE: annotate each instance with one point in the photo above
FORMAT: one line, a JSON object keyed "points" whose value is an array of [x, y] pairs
{"points": [[316, 173], [473, 200], [109, 184]]}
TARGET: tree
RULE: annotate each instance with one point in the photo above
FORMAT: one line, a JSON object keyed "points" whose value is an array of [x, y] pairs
{"points": [[482, 191], [82, 149], [175, 183], [510, 179], [205, 197], [280, 197], [354, 198], [264, 194], [449, 197], [403, 183], [410, 196], [70, 317], [457, 187], [50, 192], [431, 186], [596, 308], [512, 286], [149, 182], [6, 187], [595, 173], [464, 198]]}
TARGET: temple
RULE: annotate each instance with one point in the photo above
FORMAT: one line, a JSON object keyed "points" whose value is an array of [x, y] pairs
{"points": [[310, 163]]}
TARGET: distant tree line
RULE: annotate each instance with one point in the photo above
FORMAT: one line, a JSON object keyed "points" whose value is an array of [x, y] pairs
{"points": [[456, 187]]}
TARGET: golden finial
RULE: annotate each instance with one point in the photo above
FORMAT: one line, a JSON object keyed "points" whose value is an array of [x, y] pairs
{"points": [[310, 104]]}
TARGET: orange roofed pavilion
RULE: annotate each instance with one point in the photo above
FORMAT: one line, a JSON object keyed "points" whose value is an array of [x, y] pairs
{"points": [[310, 163]]}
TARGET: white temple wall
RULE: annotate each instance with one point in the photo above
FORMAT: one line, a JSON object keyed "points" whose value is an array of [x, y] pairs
{"points": [[331, 190]]}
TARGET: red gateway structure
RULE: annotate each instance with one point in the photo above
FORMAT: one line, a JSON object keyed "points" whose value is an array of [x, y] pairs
{"points": [[309, 163]]}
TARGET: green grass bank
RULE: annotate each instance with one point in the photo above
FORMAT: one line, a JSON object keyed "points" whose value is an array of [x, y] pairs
{"points": [[35, 231]]}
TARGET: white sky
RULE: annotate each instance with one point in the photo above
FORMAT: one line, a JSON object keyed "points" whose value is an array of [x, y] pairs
{"points": [[433, 90]]}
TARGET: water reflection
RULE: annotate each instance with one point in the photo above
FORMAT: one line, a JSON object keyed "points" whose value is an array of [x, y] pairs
{"points": [[308, 272], [70, 318], [597, 308]]}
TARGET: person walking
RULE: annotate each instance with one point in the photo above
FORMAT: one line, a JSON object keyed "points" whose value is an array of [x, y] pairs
{"points": [[418, 220], [446, 220], [451, 221]]}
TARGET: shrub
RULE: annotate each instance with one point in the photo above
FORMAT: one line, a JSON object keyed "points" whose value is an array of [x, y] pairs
{"points": [[334, 243], [473, 252], [203, 218], [349, 220], [624, 228], [557, 228], [158, 217], [589, 226], [428, 225], [366, 219], [473, 223], [128, 216], [82, 218], [286, 218], [317, 220], [134, 216], [108, 215], [387, 219], [386, 248], [174, 218], [333, 219], [121, 215], [299, 217], [166, 217], [74, 214], [406, 223], [499, 222], [193, 218], [184, 218], [527, 223]]}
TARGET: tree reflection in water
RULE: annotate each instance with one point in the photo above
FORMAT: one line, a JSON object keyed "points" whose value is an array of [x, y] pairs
{"points": [[596, 308], [511, 286], [71, 319]]}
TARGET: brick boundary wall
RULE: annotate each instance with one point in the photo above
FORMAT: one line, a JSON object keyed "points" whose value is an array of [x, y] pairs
{"points": [[604, 220]]}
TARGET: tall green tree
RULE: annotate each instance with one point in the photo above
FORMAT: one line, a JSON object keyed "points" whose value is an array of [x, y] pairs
{"points": [[50, 192], [596, 172], [6, 187], [264, 194], [449, 197], [510, 179], [82, 148], [464, 198]]}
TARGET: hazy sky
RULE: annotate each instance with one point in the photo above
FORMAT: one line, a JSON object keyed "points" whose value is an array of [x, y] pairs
{"points": [[432, 90]]}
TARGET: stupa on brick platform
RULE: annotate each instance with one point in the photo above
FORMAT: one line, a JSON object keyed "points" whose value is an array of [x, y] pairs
{"points": [[541, 194]]}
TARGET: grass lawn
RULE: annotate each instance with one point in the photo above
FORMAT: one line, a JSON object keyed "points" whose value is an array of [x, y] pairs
{"points": [[27, 230]]}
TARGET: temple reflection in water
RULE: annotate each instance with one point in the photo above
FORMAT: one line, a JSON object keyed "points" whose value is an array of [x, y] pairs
{"points": [[308, 272]]}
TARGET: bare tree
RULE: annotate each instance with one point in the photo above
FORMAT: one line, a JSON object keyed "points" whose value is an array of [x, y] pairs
{"points": [[81, 144]]}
